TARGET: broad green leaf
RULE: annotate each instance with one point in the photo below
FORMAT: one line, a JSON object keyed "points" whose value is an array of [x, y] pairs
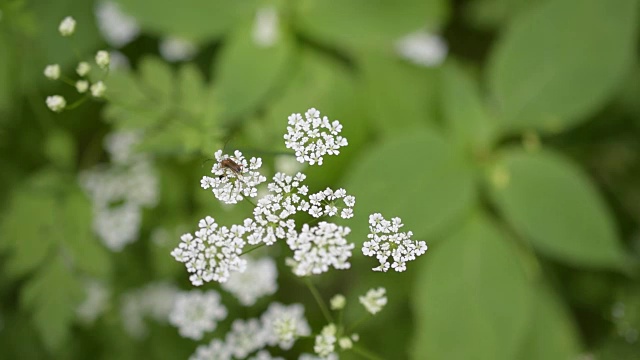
{"points": [[247, 73], [561, 60], [418, 177], [369, 24], [490, 14], [158, 80], [473, 299], [551, 202], [192, 19], [52, 296]]}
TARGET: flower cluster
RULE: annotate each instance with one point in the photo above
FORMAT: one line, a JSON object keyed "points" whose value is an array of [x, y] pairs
{"points": [[320, 247], [259, 279], [385, 241], [374, 300], [326, 342], [116, 27], [313, 137], [325, 203], [95, 302], [234, 177], [422, 48], [196, 312], [155, 300]]}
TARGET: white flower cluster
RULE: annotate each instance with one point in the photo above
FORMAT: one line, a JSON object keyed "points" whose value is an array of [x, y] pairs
{"points": [[326, 342], [374, 300], [259, 279], [95, 302], [385, 241], [422, 48], [174, 49], [313, 137], [280, 325], [329, 199], [116, 27], [234, 177], [196, 312], [213, 253], [155, 300], [318, 248], [120, 191]]}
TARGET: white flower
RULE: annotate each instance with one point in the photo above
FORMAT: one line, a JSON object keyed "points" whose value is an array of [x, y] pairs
{"points": [[155, 300], [422, 48], [176, 49], [332, 356], [103, 59], [95, 302], [245, 337], [345, 343], [325, 342], [234, 177], [338, 302], [56, 103], [320, 247], [213, 253], [196, 312], [121, 146], [265, 27], [327, 203], [374, 300], [385, 241], [215, 350], [259, 279], [98, 89], [52, 72], [83, 68], [67, 26], [117, 28], [313, 137], [284, 324], [264, 355], [82, 86]]}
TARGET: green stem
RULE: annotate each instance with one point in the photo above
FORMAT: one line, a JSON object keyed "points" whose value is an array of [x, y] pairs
{"points": [[365, 353], [253, 248], [249, 201], [77, 103], [318, 298], [357, 323]]}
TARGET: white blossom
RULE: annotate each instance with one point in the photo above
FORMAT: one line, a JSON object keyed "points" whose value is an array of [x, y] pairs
{"points": [[385, 241], [313, 137], [259, 279], [325, 342], [98, 89], [83, 68], [318, 248], [95, 302], [116, 27], [283, 324], [52, 72], [56, 103], [374, 300], [422, 48], [103, 59], [82, 86], [67, 26], [264, 355], [231, 183], [196, 312], [338, 302], [331, 203], [345, 343], [245, 337], [154, 300], [215, 350], [305, 356], [213, 253], [265, 27], [177, 49]]}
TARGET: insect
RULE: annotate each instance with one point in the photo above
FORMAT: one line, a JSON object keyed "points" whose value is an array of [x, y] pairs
{"points": [[230, 165]]}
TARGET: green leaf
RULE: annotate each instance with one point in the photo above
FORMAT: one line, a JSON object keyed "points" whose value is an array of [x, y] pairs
{"points": [[193, 19], [560, 61], [554, 205], [473, 299], [490, 14], [247, 73], [369, 24], [52, 296], [61, 149], [418, 177]]}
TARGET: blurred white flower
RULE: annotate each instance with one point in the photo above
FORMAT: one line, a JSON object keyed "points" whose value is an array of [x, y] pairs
{"points": [[318, 248], [330, 203], [259, 279], [234, 177], [338, 302], [287, 164], [177, 49], [215, 350], [116, 27], [98, 89], [82, 86], [374, 300], [245, 337], [422, 48], [265, 27], [345, 343], [67, 27], [325, 342], [154, 300], [313, 137], [385, 241], [196, 312], [52, 72], [264, 355], [83, 68], [103, 59], [283, 324], [119, 61], [56, 103], [95, 302]]}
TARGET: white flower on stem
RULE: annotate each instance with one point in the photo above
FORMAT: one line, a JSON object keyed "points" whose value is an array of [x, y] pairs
{"points": [[338, 302], [67, 26], [56, 103], [264, 355], [117, 28], [374, 300], [98, 89], [103, 59], [327, 203], [83, 68], [318, 248], [215, 350], [313, 137], [52, 72], [325, 342], [258, 280], [245, 337], [213, 253], [177, 49], [82, 86], [265, 27], [283, 324], [422, 48], [196, 312], [385, 241], [234, 177]]}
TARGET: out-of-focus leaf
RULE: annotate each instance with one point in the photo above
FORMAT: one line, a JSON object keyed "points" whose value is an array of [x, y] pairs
{"points": [[192, 19], [473, 299], [6, 75], [554, 205], [418, 177], [247, 72], [60, 148], [365, 24], [534, 72], [488, 14]]}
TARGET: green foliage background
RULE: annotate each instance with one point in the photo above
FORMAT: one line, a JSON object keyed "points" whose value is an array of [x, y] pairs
{"points": [[518, 160]]}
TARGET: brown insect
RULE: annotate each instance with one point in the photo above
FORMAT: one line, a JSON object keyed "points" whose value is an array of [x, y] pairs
{"points": [[232, 166]]}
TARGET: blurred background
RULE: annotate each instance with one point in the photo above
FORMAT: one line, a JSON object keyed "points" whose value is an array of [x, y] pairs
{"points": [[505, 133]]}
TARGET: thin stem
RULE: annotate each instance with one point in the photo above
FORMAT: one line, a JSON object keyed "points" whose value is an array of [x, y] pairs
{"points": [[249, 201], [318, 298], [365, 353], [357, 323], [253, 248], [77, 103]]}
